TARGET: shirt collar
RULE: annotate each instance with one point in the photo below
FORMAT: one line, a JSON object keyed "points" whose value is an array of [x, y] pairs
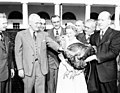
{"points": [[31, 32], [104, 30], [59, 31]]}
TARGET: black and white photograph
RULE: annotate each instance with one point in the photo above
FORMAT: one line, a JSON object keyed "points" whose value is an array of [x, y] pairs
{"points": [[59, 46]]}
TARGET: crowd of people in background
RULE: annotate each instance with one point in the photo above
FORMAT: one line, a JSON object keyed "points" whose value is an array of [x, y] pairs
{"points": [[83, 57]]}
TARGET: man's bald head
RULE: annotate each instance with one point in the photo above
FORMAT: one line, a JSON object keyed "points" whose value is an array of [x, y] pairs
{"points": [[105, 15], [34, 17], [104, 20]]}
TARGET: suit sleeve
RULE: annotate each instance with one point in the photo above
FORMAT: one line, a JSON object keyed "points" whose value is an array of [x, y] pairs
{"points": [[10, 55], [51, 43], [112, 50], [18, 51]]}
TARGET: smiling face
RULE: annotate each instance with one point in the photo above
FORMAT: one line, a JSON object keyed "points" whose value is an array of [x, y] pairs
{"points": [[56, 22], [104, 20], [90, 26], [34, 22], [3, 24], [70, 33], [79, 26]]}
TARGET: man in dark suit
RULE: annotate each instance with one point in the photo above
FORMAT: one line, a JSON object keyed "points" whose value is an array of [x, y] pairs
{"points": [[89, 28], [106, 42], [5, 63], [31, 55], [53, 59]]}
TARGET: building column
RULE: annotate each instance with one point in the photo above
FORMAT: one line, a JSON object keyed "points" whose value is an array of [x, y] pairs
{"points": [[57, 9], [61, 12], [117, 17], [87, 11], [25, 14]]}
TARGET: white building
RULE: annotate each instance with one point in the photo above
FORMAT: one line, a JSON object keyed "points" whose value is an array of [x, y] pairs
{"points": [[18, 11]]}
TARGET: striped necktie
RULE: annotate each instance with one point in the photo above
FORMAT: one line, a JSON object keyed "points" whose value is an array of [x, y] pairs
{"points": [[57, 33], [34, 36]]}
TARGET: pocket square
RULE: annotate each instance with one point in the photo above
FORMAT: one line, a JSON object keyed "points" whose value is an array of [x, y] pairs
{"points": [[44, 41]]}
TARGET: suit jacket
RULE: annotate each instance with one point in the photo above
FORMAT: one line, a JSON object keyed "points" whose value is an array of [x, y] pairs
{"points": [[107, 50], [4, 58], [25, 51], [53, 55]]}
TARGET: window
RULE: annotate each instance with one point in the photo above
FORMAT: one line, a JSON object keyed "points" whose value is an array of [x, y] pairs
{"points": [[16, 25]]}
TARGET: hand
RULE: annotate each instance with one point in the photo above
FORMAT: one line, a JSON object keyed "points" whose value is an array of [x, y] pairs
{"points": [[95, 48], [90, 58], [72, 75], [12, 73], [21, 73], [60, 49], [66, 74]]}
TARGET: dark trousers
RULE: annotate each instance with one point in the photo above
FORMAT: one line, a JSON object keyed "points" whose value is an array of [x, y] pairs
{"points": [[3, 86], [109, 87], [52, 80], [95, 86]]}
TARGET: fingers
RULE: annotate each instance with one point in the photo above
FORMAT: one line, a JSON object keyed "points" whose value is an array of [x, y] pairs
{"points": [[12, 73], [21, 73]]}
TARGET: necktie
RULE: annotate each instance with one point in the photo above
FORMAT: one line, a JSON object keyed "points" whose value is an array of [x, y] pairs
{"points": [[101, 35], [57, 33], [34, 36], [3, 39], [1, 36]]}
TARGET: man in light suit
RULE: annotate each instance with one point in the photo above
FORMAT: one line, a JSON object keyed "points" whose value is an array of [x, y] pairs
{"points": [[5, 56], [106, 42], [31, 57], [53, 59]]}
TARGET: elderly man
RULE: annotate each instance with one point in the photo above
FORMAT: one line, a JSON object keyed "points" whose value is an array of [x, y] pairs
{"points": [[5, 55], [107, 44], [31, 57], [89, 28]]}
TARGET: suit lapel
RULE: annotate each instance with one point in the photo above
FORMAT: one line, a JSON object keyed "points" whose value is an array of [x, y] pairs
{"points": [[62, 31], [40, 37], [97, 38], [5, 47], [52, 34], [6, 44], [1, 44], [106, 36], [29, 39], [84, 38]]}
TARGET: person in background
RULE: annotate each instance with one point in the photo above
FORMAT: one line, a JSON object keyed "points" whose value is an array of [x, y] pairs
{"points": [[53, 59], [89, 28], [31, 55], [6, 65], [43, 24], [79, 26], [106, 42]]}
